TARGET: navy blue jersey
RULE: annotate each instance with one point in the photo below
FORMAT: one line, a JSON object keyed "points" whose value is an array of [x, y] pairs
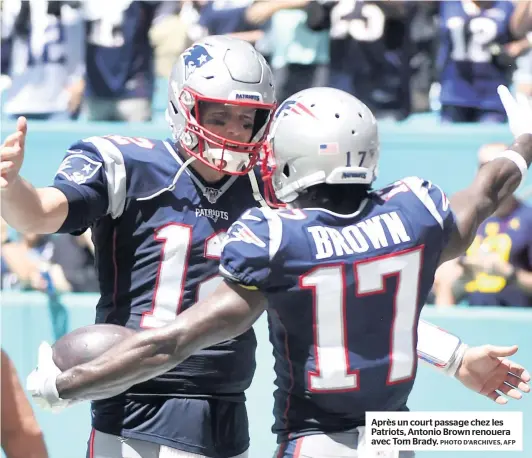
{"points": [[344, 297], [223, 17], [119, 58], [370, 52], [469, 72], [157, 247]]}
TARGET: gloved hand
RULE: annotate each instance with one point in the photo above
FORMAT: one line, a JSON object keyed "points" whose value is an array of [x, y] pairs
{"points": [[519, 112], [41, 382]]}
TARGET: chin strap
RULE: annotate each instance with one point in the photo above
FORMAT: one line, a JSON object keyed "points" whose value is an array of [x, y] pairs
{"points": [[256, 190], [174, 181]]}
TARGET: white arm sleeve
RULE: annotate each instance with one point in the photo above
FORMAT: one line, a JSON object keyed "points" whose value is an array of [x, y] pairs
{"points": [[441, 349]]}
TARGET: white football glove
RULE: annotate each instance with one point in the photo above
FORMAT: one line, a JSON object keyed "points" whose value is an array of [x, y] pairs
{"points": [[519, 112], [41, 382]]}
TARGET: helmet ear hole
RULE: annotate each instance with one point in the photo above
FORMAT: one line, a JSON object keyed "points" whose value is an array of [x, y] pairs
{"points": [[286, 171]]}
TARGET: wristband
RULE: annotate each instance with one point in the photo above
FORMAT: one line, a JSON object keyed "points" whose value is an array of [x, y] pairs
{"points": [[441, 349], [517, 159]]}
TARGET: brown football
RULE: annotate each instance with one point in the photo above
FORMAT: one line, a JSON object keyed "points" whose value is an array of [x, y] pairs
{"points": [[84, 344]]}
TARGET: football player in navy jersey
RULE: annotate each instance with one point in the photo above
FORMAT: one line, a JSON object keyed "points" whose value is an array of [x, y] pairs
{"points": [[370, 51], [475, 56], [226, 16], [120, 73], [343, 272], [159, 210]]}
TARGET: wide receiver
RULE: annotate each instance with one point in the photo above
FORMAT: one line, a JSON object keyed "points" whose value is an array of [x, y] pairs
{"points": [[343, 274], [159, 210]]}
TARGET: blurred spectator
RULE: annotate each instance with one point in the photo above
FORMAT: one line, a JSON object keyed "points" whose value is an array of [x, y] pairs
{"points": [[173, 33], [17, 268], [424, 33], [52, 264], [299, 56], [120, 58], [228, 17], [523, 76], [39, 249], [75, 256], [45, 42], [6, 31], [21, 435], [497, 268], [190, 17], [168, 37], [370, 50], [479, 41]]}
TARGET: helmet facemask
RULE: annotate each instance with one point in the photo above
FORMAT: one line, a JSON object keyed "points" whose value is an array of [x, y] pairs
{"points": [[271, 172], [220, 153]]}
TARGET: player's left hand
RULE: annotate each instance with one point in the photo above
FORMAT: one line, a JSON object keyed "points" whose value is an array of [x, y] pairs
{"points": [[486, 370], [518, 110], [41, 382]]}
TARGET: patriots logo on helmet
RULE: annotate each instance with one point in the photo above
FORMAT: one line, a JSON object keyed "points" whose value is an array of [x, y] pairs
{"points": [[195, 57], [293, 106]]}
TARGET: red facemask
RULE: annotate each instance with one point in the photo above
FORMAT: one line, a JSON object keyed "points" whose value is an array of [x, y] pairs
{"points": [[216, 151], [268, 168]]}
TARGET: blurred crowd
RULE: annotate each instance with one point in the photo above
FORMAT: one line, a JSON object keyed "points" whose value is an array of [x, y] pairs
{"points": [[102, 60], [51, 264], [496, 270]]}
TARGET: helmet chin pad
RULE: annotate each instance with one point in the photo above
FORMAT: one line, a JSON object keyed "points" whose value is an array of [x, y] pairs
{"points": [[215, 150], [227, 161]]}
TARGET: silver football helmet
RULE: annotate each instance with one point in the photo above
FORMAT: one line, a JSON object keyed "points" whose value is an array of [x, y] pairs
{"points": [[320, 135], [229, 71]]}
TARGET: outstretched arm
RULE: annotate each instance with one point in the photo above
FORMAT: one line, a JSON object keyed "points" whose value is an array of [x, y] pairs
{"points": [[228, 312], [521, 20], [483, 369], [24, 207], [87, 182], [494, 182]]}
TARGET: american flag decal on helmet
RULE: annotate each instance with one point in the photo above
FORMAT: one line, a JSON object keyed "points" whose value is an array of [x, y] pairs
{"points": [[328, 149]]}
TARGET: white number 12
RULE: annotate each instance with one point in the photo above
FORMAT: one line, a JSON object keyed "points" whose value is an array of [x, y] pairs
{"points": [[328, 285], [169, 288]]}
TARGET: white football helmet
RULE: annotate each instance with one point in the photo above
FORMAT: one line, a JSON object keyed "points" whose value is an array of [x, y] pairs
{"points": [[229, 71], [320, 135]]}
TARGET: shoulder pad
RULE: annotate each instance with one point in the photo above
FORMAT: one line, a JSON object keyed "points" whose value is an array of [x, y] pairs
{"points": [[431, 196], [151, 165], [391, 190], [250, 247]]}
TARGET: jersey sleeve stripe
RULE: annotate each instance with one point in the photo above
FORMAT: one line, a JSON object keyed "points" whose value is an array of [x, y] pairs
{"points": [[115, 174], [275, 226], [422, 193]]}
